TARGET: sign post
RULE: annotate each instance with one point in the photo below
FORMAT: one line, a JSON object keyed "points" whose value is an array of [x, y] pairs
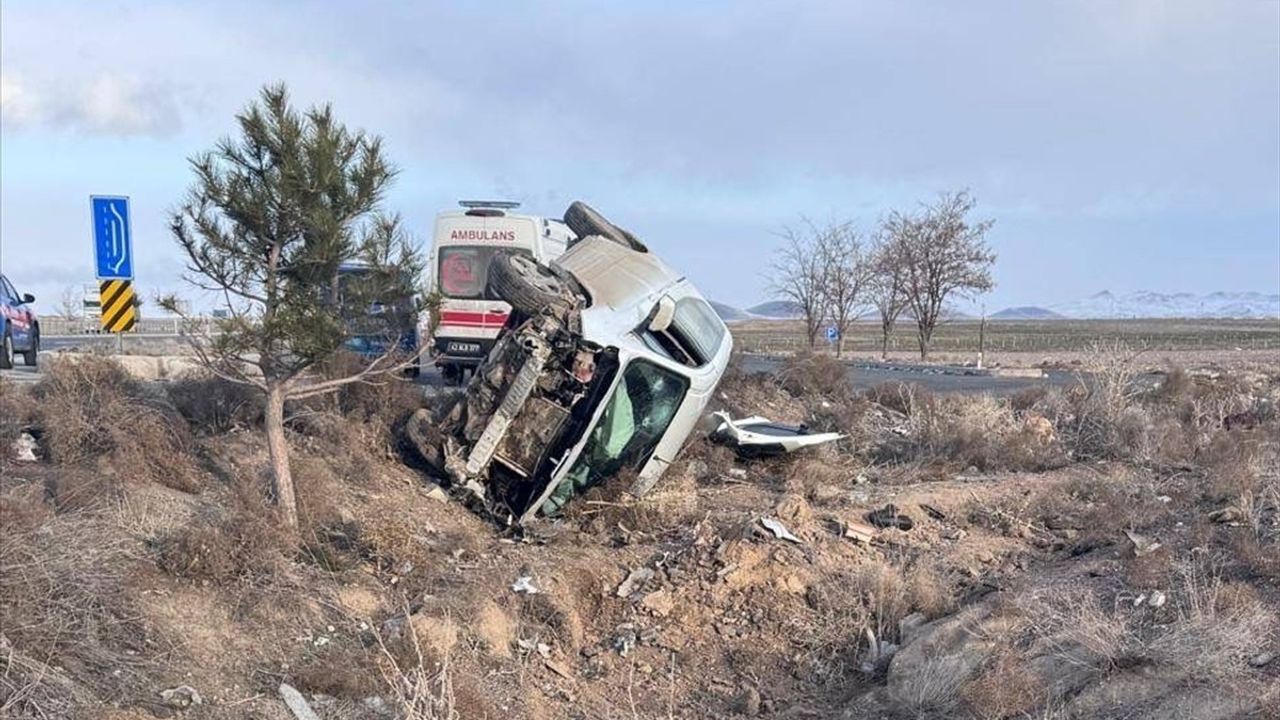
{"points": [[113, 258]]}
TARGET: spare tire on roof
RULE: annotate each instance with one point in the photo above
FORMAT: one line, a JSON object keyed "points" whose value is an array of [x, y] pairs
{"points": [[523, 283], [585, 221]]}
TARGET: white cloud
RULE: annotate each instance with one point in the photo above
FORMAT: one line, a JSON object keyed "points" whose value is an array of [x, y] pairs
{"points": [[18, 106], [107, 103]]}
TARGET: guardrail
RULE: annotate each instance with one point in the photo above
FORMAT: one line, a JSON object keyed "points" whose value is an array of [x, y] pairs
{"points": [[50, 326]]}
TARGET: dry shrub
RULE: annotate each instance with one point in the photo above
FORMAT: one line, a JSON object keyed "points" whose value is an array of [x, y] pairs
{"points": [[1234, 463], [1099, 418], [67, 614], [17, 409], [382, 404], [902, 398], [342, 671], [809, 375], [969, 430], [213, 405], [91, 409], [243, 544], [889, 594], [1207, 632], [843, 618], [1218, 625], [1028, 398], [930, 591], [1004, 688], [395, 541]]}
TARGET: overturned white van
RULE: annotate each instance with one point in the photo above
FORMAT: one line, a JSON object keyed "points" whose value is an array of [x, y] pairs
{"points": [[609, 362]]}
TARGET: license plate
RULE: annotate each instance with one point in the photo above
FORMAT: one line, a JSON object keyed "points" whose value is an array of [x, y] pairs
{"points": [[464, 347]]}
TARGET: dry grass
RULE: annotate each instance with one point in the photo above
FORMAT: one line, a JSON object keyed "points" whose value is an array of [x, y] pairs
{"points": [[1005, 688], [213, 405], [92, 410], [17, 409], [420, 689], [980, 431], [1206, 633], [69, 620], [810, 375]]}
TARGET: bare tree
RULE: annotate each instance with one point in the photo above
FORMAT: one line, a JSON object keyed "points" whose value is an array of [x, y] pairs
{"points": [[273, 216], [798, 276], [886, 289], [944, 254], [71, 305], [845, 275]]}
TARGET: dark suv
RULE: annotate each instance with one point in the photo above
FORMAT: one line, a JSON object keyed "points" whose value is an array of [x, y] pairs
{"points": [[19, 328]]}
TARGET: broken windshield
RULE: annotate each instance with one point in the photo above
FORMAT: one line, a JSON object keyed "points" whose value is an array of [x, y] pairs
{"points": [[634, 420]]}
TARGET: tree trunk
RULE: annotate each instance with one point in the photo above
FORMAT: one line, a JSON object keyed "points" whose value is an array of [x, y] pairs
{"points": [[278, 448], [885, 329], [924, 333]]}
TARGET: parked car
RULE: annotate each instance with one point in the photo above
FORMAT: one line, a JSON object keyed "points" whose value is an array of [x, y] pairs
{"points": [[379, 320], [606, 366], [469, 314], [19, 326]]}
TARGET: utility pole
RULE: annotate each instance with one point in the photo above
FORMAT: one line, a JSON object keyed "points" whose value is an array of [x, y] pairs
{"points": [[982, 337]]}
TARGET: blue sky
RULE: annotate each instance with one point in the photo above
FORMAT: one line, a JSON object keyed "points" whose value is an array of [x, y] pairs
{"points": [[1119, 145]]}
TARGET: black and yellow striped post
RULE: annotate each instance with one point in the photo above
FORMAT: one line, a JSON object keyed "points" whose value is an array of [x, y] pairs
{"points": [[118, 303]]}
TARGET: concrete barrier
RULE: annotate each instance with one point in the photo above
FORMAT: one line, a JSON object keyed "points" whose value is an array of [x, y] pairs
{"points": [[143, 367]]}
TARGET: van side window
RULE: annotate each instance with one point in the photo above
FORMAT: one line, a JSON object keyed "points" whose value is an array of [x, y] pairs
{"points": [[694, 337]]}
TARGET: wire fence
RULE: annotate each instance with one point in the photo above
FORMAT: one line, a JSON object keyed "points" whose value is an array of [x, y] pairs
{"points": [[1154, 335]]}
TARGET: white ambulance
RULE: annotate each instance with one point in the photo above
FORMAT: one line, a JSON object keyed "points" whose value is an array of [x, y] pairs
{"points": [[464, 327]]}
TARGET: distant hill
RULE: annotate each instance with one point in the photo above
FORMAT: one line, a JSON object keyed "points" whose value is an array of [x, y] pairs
{"points": [[1026, 312], [1146, 304], [777, 310], [728, 313]]}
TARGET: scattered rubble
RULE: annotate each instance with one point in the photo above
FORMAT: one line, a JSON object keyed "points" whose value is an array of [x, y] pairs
{"points": [[181, 697], [779, 530], [889, 517], [758, 436], [24, 448], [297, 704], [634, 581], [1141, 544], [524, 584]]}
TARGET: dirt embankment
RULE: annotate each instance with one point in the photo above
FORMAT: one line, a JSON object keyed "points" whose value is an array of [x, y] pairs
{"points": [[1069, 555]]}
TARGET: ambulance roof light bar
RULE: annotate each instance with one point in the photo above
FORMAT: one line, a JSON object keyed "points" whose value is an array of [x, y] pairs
{"points": [[497, 204]]}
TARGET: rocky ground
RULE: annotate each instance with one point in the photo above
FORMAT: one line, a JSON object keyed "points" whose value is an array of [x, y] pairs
{"points": [[1096, 552]]}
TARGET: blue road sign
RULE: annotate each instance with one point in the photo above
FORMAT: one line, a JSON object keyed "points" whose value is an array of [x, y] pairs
{"points": [[112, 237], [832, 334]]}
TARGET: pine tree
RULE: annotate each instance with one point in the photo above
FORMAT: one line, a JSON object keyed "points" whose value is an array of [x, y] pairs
{"points": [[276, 217]]}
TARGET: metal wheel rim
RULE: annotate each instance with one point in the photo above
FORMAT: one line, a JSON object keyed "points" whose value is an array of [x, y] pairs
{"points": [[531, 272]]}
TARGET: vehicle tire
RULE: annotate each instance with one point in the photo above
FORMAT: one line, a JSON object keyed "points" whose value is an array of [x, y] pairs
{"points": [[584, 221], [29, 357], [523, 283], [451, 374], [6, 352]]}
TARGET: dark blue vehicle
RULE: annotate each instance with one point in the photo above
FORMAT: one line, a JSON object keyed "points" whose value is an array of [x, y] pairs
{"points": [[19, 326], [379, 324]]}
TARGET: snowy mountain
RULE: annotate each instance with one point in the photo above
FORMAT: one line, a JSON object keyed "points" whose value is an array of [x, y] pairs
{"points": [[1146, 304]]}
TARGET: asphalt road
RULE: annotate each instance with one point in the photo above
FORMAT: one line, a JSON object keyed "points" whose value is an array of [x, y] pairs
{"points": [[937, 378]]}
